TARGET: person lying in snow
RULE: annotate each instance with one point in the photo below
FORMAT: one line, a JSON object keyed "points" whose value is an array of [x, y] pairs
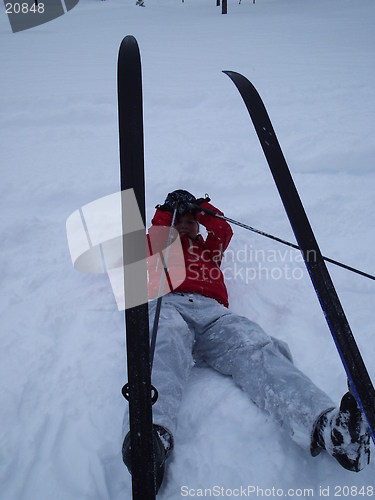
{"points": [[195, 324]]}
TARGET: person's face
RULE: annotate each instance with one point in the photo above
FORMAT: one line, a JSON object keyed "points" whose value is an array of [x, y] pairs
{"points": [[188, 225]]}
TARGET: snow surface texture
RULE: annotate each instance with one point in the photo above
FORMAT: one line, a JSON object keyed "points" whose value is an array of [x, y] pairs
{"points": [[62, 338]]}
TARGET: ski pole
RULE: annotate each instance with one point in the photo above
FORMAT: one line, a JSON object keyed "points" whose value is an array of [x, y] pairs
{"points": [[280, 240], [161, 288]]}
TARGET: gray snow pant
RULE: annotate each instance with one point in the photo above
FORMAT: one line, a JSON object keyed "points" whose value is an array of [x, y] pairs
{"points": [[195, 327]]}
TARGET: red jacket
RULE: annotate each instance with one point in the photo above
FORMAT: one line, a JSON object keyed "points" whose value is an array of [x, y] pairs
{"points": [[202, 257]]}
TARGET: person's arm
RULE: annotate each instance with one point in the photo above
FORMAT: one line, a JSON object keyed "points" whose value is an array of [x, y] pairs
{"points": [[158, 238], [162, 218], [219, 231]]}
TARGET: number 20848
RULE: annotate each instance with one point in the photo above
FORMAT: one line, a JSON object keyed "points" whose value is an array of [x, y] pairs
{"points": [[24, 8]]}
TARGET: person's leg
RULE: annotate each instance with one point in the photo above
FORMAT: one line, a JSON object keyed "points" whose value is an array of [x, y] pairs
{"points": [[263, 368], [172, 362]]}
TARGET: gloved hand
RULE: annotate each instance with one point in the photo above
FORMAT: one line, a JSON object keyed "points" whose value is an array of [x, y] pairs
{"points": [[185, 202], [201, 200]]}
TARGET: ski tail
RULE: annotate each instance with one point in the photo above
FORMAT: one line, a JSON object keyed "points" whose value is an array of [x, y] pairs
{"points": [[357, 374]]}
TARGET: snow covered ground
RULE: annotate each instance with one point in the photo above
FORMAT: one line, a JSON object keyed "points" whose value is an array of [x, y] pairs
{"points": [[62, 338]]}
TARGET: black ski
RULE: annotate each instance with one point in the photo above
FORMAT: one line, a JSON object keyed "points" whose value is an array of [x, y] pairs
{"points": [[138, 389], [359, 380]]}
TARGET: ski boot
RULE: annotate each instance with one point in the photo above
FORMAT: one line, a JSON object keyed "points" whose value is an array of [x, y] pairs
{"points": [[163, 446], [343, 433]]}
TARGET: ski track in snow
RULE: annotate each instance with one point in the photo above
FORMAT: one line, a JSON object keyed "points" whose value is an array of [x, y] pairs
{"points": [[62, 338]]}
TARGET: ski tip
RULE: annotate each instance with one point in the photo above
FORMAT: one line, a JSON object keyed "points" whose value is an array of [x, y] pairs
{"points": [[236, 77], [129, 39], [232, 74], [129, 55], [129, 42], [243, 85]]}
